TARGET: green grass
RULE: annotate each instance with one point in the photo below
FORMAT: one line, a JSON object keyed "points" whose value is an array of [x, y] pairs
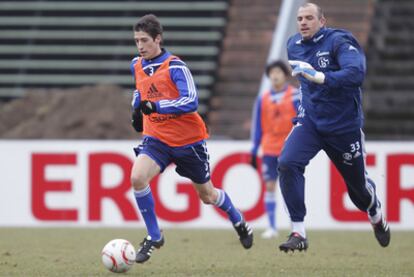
{"points": [[76, 252]]}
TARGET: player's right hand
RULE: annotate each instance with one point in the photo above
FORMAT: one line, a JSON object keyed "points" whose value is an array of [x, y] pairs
{"points": [[307, 71], [137, 120], [253, 161], [295, 63]]}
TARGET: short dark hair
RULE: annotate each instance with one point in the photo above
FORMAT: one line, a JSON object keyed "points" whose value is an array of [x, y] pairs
{"points": [[150, 24], [318, 9], [277, 64]]}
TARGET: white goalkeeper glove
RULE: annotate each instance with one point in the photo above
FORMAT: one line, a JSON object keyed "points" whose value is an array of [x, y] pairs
{"points": [[307, 71]]}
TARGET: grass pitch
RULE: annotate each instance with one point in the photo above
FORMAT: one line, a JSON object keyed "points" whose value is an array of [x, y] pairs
{"points": [[76, 252]]}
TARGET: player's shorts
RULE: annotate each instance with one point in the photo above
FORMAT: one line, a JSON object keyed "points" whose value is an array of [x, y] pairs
{"points": [[192, 160], [269, 168]]}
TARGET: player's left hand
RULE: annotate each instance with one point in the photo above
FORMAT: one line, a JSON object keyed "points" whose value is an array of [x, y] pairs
{"points": [[148, 107], [307, 71]]}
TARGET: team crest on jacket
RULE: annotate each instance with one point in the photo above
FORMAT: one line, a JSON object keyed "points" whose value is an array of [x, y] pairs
{"points": [[323, 62], [347, 156]]}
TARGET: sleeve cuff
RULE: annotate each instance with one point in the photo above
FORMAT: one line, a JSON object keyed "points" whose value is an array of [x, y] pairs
{"points": [[157, 105]]}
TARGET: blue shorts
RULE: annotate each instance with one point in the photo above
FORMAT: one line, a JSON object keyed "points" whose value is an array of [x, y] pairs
{"points": [[192, 160], [269, 168]]}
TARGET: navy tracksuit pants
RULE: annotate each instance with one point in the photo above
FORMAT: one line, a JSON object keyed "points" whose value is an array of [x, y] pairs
{"points": [[345, 151]]}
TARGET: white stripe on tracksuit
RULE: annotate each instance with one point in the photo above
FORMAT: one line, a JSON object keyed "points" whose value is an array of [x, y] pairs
{"points": [[191, 91]]}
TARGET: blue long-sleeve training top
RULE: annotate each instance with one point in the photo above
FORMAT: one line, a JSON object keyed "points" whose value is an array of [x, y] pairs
{"points": [[335, 106]]}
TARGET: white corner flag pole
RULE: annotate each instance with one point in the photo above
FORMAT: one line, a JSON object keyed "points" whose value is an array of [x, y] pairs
{"points": [[285, 27]]}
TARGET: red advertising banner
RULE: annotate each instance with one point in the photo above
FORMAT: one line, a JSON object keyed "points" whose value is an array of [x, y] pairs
{"points": [[87, 183]]}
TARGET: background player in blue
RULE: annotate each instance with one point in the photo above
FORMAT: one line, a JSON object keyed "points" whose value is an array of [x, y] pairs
{"points": [[330, 66], [273, 112], [165, 110]]}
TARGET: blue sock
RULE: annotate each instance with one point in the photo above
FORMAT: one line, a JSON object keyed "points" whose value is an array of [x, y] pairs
{"points": [[224, 203], [147, 208], [270, 207]]}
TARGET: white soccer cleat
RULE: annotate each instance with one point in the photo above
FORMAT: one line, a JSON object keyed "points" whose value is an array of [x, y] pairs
{"points": [[269, 233]]}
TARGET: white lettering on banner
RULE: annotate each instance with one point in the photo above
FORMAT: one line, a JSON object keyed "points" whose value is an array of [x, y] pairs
{"points": [[90, 186]]}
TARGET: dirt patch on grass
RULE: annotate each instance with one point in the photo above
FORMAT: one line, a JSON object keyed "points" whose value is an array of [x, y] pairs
{"points": [[90, 112]]}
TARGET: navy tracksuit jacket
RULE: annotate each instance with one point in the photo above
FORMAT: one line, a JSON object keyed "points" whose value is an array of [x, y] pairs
{"points": [[330, 118]]}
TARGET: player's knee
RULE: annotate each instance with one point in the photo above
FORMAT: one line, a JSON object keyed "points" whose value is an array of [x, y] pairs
{"points": [[207, 198], [138, 181], [271, 186], [283, 165], [286, 166]]}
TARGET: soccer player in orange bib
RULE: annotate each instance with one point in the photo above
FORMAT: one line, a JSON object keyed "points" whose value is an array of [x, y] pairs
{"points": [[165, 111], [272, 121]]}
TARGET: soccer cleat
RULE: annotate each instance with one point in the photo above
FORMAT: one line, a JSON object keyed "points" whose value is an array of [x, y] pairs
{"points": [[269, 233], [382, 232], [245, 233], [147, 246], [295, 242]]}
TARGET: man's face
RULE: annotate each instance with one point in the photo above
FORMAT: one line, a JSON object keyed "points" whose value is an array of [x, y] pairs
{"points": [[308, 21], [148, 47], [277, 78]]}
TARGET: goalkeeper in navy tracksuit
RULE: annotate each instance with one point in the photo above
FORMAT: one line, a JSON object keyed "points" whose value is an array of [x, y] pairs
{"points": [[330, 66]]}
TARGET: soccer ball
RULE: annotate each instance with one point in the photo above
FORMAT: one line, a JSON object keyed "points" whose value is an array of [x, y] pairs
{"points": [[118, 255]]}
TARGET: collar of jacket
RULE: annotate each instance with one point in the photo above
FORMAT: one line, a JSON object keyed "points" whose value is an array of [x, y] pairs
{"points": [[316, 37]]}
